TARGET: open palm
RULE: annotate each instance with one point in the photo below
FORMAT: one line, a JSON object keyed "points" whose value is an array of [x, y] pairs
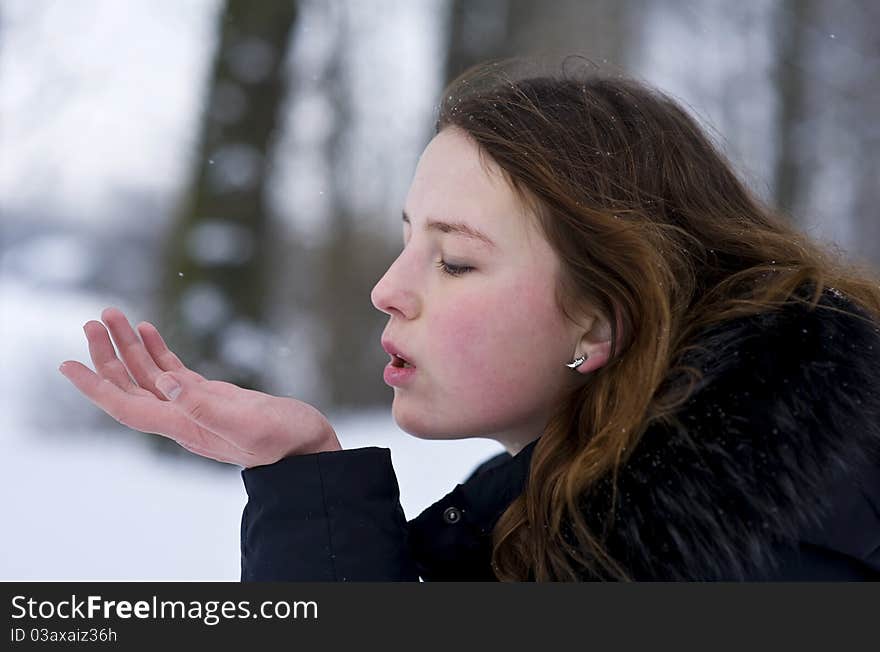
{"points": [[211, 418]]}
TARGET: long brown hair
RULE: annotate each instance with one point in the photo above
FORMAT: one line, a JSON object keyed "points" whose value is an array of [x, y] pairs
{"points": [[653, 228]]}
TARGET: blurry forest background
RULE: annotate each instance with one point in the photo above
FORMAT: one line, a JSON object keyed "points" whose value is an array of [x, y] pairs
{"points": [[234, 171]]}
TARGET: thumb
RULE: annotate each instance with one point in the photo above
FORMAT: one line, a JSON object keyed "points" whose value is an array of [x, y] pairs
{"points": [[206, 409], [169, 385], [229, 416]]}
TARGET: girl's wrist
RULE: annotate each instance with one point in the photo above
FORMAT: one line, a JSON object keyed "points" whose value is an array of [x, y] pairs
{"points": [[324, 440]]}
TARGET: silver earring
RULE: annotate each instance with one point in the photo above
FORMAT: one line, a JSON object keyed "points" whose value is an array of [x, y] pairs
{"points": [[577, 362]]}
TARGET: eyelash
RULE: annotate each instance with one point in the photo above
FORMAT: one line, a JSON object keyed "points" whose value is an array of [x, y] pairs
{"points": [[453, 270]]}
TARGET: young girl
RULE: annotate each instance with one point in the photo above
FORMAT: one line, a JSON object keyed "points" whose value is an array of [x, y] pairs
{"points": [[687, 387]]}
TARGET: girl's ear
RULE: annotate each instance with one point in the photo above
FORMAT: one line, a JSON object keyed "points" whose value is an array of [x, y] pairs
{"points": [[595, 343]]}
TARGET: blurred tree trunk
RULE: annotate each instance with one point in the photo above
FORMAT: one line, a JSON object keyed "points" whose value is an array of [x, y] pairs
{"points": [[340, 266], [793, 19], [486, 29], [341, 292], [214, 262], [866, 213], [477, 30], [866, 98]]}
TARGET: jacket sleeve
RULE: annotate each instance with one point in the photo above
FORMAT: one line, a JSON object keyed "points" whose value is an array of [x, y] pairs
{"points": [[329, 516]]}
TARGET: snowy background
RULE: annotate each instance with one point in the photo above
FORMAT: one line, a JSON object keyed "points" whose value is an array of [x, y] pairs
{"points": [[98, 103]]}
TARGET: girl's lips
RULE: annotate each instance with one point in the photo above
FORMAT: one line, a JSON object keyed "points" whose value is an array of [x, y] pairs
{"points": [[398, 376], [392, 350]]}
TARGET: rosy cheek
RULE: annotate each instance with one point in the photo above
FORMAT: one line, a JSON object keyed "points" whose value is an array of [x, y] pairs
{"points": [[484, 334], [460, 333]]}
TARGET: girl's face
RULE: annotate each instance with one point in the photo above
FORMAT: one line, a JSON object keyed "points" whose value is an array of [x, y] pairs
{"points": [[489, 345]]}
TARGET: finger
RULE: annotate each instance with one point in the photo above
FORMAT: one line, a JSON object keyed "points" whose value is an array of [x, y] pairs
{"points": [[131, 349], [142, 411], [103, 355], [240, 419], [164, 358], [103, 392]]}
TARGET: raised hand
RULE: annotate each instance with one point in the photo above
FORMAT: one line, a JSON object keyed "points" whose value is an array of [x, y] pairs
{"points": [[151, 390]]}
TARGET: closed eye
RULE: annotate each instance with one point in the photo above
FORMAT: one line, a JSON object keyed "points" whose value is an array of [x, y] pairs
{"points": [[454, 270]]}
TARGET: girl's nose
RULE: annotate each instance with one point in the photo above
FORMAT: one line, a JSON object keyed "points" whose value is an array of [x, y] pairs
{"points": [[394, 293]]}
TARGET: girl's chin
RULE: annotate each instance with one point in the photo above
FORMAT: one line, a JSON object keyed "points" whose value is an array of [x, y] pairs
{"points": [[420, 429]]}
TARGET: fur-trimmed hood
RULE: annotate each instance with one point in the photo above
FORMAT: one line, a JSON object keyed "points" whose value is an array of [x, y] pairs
{"points": [[774, 454], [784, 424]]}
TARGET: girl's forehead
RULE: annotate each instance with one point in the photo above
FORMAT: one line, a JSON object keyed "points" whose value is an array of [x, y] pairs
{"points": [[452, 158], [452, 183]]}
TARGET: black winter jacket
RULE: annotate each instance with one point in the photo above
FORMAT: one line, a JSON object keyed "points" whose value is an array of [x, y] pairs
{"points": [[771, 473]]}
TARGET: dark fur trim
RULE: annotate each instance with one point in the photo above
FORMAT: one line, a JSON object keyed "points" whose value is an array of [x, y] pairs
{"points": [[789, 404]]}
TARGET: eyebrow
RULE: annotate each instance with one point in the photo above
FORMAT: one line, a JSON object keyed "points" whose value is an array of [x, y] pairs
{"points": [[456, 228]]}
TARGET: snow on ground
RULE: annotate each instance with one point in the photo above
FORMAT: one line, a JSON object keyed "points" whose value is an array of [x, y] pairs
{"points": [[108, 508]]}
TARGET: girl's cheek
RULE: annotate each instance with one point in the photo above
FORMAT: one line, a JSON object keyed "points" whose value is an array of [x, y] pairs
{"points": [[463, 329], [475, 331]]}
